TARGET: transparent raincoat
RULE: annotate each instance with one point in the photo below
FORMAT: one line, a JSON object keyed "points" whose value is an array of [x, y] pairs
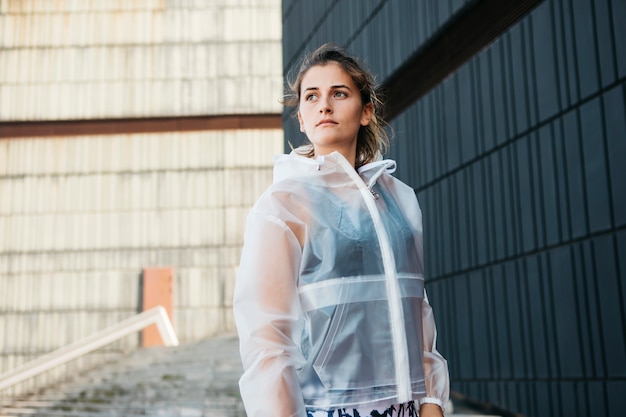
{"points": [[329, 300]]}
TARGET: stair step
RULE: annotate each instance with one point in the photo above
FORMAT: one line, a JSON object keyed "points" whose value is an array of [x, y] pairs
{"points": [[192, 380]]}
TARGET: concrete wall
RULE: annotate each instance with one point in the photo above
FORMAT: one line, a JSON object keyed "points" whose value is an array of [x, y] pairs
{"points": [[82, 215]]}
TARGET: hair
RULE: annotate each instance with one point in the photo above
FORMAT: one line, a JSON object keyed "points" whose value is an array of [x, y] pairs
{"points": [[372, 140]]}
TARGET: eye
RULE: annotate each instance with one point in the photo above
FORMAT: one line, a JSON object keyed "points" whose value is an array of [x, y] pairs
{"points": [[341, 94], [310, 97]]}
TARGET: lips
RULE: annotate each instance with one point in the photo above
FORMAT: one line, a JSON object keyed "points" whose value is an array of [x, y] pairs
{"points": [[326, 122]]}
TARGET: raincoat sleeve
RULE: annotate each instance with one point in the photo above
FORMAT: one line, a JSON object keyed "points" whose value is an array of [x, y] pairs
{"points": [[435, 366], [267, 315]]}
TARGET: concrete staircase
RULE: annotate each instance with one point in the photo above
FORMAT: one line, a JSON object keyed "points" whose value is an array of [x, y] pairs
{"points": [[196, 380]]}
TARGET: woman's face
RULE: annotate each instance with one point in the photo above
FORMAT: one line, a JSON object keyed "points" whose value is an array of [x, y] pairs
{"points": [[331, 110]]}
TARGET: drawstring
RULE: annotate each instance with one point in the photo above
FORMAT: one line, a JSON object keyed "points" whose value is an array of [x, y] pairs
{"points": [[389, 168]]}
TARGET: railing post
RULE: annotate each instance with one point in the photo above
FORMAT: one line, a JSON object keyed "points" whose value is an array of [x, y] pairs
{"points": [[156, 315], [157, 290]]}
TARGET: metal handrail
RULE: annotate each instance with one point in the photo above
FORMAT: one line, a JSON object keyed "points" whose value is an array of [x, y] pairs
{"points": [[156, 315]]}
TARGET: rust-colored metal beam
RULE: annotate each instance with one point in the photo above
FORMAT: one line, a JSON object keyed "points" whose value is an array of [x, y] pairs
{"points": [[138, 125]]}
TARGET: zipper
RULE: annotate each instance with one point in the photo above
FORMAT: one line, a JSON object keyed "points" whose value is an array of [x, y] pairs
{"points": [[374, 193], [398, 331]]}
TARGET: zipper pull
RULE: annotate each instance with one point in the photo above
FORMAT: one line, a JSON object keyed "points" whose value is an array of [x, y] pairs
{"points": [[374, 193], [320, 162]]}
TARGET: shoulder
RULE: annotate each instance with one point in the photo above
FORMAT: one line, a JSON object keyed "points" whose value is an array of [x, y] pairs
{"points": [[284, 200], [399, 186], [405, 196]]}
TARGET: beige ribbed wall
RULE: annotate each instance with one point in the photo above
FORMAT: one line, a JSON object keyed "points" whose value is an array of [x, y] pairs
{"points": [[83, 59], [81, 216]]}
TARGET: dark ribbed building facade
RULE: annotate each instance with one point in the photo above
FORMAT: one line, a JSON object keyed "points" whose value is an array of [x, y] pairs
{"points": [[510, 123]]}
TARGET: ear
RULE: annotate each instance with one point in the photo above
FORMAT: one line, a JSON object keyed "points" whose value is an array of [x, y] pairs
{"points": [[366, 114], [301, 122]]}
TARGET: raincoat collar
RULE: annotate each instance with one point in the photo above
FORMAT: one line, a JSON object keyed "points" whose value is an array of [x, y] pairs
{"points": [[293, 165]]}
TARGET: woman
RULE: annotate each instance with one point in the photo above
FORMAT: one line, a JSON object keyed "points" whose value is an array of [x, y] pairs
{"points": [[329, 301]]}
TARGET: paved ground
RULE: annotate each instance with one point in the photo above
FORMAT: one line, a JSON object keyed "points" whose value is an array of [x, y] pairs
{"points": [[197, 380]]}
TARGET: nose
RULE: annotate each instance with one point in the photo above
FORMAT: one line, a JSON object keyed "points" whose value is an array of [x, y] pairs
{"points": [[325, 106]]}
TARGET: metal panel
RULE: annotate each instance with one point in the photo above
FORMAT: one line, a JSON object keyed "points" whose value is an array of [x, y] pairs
{"points": [[515, 159]]}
